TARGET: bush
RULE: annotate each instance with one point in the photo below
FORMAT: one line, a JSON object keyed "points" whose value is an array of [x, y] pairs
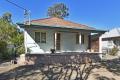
{"points": [[3, 50], [20, 50], [114, 51], [3, 46]]}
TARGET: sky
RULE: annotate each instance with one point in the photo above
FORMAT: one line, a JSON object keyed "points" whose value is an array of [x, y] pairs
{"points": [[100, 14]]}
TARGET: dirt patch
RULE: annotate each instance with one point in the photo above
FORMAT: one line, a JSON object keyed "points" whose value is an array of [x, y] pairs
{"points": [[107, 70]]}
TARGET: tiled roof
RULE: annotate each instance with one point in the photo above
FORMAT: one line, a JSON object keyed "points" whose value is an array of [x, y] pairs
{"points": [[57, 22]]}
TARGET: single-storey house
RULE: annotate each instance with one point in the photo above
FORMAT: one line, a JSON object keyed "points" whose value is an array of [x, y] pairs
{"points": [[109, 39], [44, 35]]}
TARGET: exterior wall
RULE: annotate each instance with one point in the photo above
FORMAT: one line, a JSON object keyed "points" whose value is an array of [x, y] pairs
{"points": [[39, 47], [68, 41], [106, 45], [30, 45], [49, 40], [111, 35]]}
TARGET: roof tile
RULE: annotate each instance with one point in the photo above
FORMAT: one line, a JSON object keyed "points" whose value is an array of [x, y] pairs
{"points": [[57, 22]]}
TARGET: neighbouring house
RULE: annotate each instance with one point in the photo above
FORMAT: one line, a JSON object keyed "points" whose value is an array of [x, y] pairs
{"points": [[109, 39], [44, 35]]}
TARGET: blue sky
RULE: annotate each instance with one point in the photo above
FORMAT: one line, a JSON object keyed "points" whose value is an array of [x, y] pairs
{"points": [[101, 14]]}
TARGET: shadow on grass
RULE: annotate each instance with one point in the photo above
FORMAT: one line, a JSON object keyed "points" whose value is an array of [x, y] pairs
{"points": [[112, 65], [49, 72]]}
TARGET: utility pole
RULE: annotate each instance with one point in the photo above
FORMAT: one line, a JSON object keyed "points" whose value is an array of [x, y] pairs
{"points": [[26, 12]]}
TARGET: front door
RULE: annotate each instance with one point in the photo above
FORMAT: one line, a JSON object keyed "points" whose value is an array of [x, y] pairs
{"points": [[57, 41]]}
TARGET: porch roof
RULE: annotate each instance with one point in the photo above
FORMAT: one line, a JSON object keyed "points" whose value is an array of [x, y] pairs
{"points": [[54, 22]]}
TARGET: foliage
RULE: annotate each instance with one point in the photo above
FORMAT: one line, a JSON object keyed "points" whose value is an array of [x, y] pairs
{"points": [[17, 39], [7, 17], [3, 46], [58, 10], [7, 30], [114, 51], [10, 34], [20, 50], [3, 50]]}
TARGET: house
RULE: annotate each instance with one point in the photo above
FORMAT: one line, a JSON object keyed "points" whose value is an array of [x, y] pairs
{"points": [[109, 39], [44, 35]]}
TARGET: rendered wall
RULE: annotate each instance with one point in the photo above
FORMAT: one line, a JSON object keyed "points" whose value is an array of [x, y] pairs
{"points": [[68, 41]]}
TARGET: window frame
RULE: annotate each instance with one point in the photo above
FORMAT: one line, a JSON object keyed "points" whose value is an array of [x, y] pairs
{"points": [[37, 40], [41, 36]]}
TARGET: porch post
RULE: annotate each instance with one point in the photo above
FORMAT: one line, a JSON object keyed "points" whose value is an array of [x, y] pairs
{"points": [[79, 38], [25, 41], [100, 44], [55, 39]]}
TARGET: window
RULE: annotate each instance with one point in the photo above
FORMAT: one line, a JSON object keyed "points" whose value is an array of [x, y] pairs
{"points": [[40, 37], [77, 38], [37, 37], [82, 38], [43, 37]]}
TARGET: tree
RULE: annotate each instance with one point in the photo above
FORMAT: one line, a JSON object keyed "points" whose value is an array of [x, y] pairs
{"points": [[7, 16], [58, 10], [10, 34], [5, 30]]}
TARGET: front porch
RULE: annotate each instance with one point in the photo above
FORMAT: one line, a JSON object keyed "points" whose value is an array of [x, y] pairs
{"points": [[61, 40]]}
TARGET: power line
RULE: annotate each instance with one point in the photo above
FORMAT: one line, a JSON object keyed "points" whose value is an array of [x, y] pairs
{"points": [[26, 12], [16, 5]]}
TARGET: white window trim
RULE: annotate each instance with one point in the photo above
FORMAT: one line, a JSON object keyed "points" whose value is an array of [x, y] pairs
{"points": [[40, 36]]}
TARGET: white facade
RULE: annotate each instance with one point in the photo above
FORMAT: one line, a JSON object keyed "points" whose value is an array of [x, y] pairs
{"points": [[67, 41], [109, 39]]}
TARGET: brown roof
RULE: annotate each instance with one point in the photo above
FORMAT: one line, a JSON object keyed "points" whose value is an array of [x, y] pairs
{"points": [[57, 22]]}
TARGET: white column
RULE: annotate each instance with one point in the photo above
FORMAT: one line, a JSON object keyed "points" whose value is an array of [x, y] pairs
{"points": [[100, 44], [79, 38], [55, 34], [100, 47], [25, 41]]}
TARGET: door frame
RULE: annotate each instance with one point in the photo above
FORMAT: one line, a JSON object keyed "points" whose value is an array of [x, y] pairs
{"points": [[57, 45]]}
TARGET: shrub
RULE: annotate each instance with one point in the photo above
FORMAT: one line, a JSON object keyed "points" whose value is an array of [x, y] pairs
{"points": [[20, 50], [3, 50], [114, 51], [3, 46]]}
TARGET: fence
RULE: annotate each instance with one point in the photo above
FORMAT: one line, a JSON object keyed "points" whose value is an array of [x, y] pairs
{"points": [[62, 58]]}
